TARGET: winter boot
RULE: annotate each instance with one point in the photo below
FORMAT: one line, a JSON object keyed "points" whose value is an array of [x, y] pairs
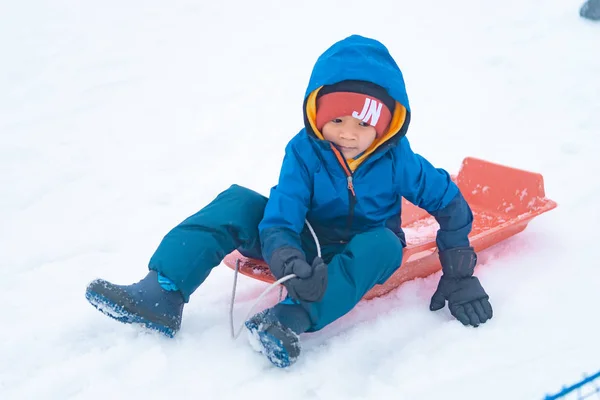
{"points": [[267, 335], [591, 10], [145, 302]]}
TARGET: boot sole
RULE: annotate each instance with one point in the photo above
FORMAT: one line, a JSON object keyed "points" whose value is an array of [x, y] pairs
{"points": [[272, 347], [121, 314]]}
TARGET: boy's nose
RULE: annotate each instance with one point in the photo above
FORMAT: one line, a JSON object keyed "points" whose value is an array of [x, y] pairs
{"points": [[347, 135]]}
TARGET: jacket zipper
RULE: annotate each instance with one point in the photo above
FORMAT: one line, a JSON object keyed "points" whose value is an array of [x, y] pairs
{"points": [[351, 192], [352, 201]]}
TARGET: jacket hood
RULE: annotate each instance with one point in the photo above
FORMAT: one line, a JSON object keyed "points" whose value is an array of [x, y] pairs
{"points": [[359, 58]]}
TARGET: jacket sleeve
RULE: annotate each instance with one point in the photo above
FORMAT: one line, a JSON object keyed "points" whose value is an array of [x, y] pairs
{"points": [[288, 204], [432, 189]]}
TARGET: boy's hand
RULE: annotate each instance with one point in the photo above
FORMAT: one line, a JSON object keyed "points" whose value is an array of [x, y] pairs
{"points": [[311, 280], [467, 300]]}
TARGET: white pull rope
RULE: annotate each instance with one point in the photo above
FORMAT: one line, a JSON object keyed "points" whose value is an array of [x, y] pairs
{"points": [[316, 239], [234, 334]]}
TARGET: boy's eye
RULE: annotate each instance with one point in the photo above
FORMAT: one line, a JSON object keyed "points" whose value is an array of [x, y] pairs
{"points": [[336, 120], [363, 123]]}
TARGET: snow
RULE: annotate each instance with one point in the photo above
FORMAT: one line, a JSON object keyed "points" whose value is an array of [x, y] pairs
{"points": [[119, 119]]}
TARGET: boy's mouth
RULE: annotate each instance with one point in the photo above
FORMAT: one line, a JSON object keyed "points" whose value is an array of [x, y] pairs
{"points": [[344, 148]]}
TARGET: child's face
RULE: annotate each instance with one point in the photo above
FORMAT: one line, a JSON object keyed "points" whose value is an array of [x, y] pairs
{"points": [[351, 135]]}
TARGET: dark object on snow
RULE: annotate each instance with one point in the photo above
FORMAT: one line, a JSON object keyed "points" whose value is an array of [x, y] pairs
{"points": [[467, 300], [591, 10]]}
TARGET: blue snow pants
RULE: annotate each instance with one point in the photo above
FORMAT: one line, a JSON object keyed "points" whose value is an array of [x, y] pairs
{"points": [[189, 252]]}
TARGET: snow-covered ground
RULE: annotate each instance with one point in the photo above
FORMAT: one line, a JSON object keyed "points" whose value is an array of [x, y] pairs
{"points": [[119, 119]]}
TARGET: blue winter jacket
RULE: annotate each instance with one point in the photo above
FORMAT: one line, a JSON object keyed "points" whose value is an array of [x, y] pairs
{"points": [[343, 198]]}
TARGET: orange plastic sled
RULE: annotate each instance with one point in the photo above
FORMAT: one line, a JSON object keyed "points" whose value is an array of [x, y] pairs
{"points": [[503, 199]]}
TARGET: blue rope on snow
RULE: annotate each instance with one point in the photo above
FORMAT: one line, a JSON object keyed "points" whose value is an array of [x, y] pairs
{"points": [[578, 386]]}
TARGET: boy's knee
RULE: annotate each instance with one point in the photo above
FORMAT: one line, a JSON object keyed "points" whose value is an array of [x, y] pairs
{"points": [[380, 238], [245, 195], [239, 200], [240, 205], [237, 207], [379, 243]]}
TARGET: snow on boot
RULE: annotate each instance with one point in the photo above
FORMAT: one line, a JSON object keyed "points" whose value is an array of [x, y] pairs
{"points": [[279, 343], [145, 302], [591, 10]]}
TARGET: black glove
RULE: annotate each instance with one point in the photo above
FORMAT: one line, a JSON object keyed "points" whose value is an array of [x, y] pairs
{"points": [[467, 300], [311, 280]]}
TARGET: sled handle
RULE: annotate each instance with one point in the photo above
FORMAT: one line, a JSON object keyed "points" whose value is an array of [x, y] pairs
{"points": [[412, 250]]}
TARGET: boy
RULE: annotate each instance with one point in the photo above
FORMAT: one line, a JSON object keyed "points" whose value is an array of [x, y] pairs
{"points": [[345, 173]]}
